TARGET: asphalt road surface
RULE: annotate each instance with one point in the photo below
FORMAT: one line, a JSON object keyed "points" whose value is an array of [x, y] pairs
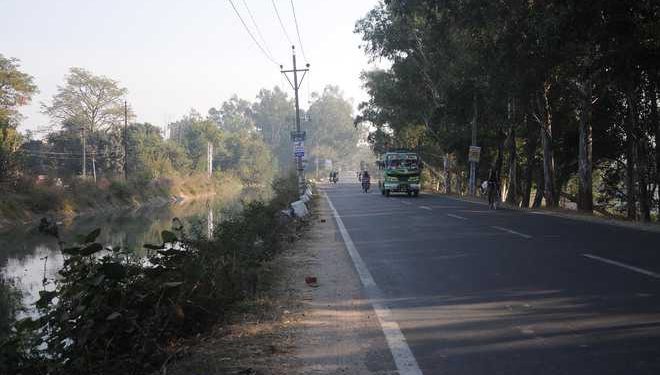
{"points": [[476, 291]]}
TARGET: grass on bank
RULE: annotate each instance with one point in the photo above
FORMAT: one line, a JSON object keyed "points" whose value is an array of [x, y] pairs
{"points": [[28, 199]]}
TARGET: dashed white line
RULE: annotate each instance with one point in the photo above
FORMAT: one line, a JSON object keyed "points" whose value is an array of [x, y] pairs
{"points": [[623, 265], [404, 359], [526, 236], [457, 217], [425, 208]]}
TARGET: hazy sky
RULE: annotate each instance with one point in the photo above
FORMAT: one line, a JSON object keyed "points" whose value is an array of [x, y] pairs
{"points": [[177, 55]]}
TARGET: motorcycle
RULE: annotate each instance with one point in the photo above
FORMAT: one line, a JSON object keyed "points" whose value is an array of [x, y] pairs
{"points": [[366, 185]]}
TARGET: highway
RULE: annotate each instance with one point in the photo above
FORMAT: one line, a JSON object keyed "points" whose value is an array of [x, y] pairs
{"points": [[475, 291]]}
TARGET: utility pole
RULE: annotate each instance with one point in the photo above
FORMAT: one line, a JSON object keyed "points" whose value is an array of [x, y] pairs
{"points": [[125, 140], [299, 136], [474, 152], [209, 152], [84, 159]]}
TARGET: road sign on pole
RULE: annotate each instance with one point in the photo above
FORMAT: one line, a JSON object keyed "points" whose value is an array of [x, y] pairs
{"points": [[298, 136], [474, 154], [299, 149]]}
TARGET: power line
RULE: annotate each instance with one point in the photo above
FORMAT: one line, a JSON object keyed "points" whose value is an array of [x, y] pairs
{"points": [[250, 33], [293, 8], [281, 23], [258, 30]]}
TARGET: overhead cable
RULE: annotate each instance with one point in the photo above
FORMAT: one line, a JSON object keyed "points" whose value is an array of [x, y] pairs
{"points": [[256, 27], [251, 35], [293, 8], [281, 23]]}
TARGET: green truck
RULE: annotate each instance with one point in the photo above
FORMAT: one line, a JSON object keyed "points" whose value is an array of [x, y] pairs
{"points": [[399, 173]]}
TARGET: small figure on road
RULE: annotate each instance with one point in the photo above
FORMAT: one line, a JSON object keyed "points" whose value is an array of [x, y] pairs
{"points": [[334, 177], [366, 181], [492, 190]]}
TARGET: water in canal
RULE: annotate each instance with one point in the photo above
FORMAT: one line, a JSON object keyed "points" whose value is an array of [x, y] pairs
{"points": [[27, 256]]}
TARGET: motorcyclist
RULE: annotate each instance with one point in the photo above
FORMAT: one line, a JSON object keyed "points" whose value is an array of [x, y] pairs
{"points": [[366, 181]]}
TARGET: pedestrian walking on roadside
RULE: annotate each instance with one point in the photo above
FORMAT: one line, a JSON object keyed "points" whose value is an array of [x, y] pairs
{"points": [[493, 191]]}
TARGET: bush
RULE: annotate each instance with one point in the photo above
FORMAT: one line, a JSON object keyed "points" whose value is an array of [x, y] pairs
{"points": [[44, 199], [121, 190], [112, 313]]}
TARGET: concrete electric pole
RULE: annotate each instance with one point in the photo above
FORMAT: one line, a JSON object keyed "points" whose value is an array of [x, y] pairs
{"points": [[125, 141], [84, 152], [298, 137]]}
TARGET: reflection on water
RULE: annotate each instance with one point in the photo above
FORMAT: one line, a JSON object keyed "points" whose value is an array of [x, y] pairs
{"points": [[28, 256]]}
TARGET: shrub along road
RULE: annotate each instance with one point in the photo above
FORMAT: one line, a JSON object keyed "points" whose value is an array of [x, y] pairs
{"points": [[473, 291]]}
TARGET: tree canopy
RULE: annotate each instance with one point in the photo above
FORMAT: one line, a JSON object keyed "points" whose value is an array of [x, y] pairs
{"points": [[563, 94]]}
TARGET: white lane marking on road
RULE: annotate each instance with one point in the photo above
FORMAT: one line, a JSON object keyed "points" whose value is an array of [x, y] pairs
{"points": [[623, 265], [527, 236], [369, 214], [404, 359], [425, 208], [457, 217]]}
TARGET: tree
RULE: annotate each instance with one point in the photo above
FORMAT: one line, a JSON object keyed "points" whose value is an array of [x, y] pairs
{"points": [[577, 81], [330, 130], [16, 90], [93, 102], [233, 115], [273, 118], [193, 133]]}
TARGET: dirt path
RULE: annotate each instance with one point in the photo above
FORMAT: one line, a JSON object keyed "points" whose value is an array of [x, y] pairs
{"points": [[296, 328], [339, 333]]}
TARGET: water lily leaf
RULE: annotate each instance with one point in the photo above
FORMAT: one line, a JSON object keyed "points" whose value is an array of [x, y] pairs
{"points": [[113, 316], [172, 284], [27, 324], [114, 271], [98, 280], [168, 236], [71, 250], [91, 237], [91, 249], [45, 298]]}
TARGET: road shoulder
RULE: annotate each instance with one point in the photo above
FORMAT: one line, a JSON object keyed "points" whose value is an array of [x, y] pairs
{"points": [[296, 328]]}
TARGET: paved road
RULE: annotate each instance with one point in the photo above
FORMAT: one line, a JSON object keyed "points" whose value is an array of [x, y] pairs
{"points": [[508, 292]]}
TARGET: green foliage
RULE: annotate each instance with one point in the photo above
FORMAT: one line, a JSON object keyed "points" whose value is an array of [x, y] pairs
{"points": [[273, 117], [114, 313], [16, 90], [10, 299], [330, 131], [533, 76], [90, 101]]}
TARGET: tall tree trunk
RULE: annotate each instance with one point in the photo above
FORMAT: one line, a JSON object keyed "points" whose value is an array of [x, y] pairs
{"points": [[512, 193], [585, 201], [655, 120], [631, 156], [548, 153], [447, 165], [530, 155], [643, 175], [540, 184], [499, 160]]}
